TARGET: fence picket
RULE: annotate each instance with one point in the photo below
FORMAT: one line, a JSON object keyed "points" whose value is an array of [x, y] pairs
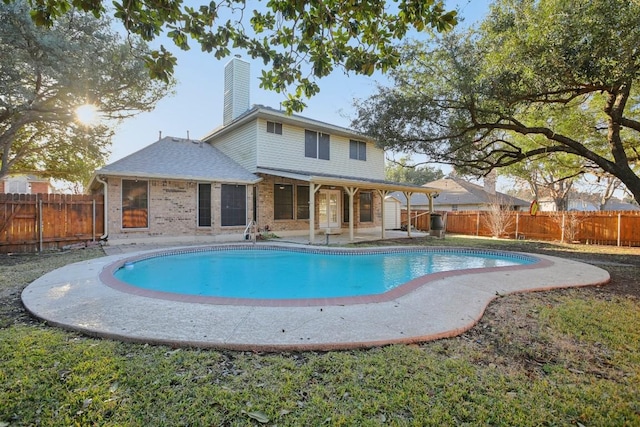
{"points": [[62, 220], [620, 228]]}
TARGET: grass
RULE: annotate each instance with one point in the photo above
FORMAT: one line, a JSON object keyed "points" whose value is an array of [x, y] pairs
{"points": [[568, 357]]}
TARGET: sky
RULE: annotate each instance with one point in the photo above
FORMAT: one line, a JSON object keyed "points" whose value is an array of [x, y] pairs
{"points": [[196, 106]]}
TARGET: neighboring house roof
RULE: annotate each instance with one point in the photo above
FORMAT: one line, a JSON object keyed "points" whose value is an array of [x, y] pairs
{"points": [[268, 113], [619, 205], [30, 178], [456, 191], [584, 205], [177, 158]]}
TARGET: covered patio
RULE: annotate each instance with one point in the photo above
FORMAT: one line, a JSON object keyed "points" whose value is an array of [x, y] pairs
{"points": [[351, 187]]}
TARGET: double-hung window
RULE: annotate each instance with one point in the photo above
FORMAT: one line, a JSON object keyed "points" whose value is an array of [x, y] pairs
{"points": [[357, 150], [316, 145], [274, 127]]}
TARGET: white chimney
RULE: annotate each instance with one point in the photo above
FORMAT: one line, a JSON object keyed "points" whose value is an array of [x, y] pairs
{"points": [[490, 182], [236, 89]]}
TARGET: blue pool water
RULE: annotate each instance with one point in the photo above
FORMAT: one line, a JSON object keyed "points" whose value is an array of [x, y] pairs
{"points": [[283, 274]]}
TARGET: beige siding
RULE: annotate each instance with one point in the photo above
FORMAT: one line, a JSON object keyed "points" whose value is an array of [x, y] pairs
{"points": [[286, 151], [240, 144]]}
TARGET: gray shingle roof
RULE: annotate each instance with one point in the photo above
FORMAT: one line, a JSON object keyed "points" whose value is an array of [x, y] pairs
{"points": [[177, 158], [455, 191]]}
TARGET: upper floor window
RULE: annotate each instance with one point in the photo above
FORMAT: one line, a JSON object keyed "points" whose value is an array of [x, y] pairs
{"points": [[316, 145], [357, 150], [273, 127]]}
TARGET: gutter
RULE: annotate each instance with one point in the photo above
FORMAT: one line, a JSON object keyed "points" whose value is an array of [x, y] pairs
{"points": [[106, 208]]}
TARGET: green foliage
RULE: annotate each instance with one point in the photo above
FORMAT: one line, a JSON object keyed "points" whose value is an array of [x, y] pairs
{"points": [[403, 171], [46, 73], [357, 36], [539, 79]]}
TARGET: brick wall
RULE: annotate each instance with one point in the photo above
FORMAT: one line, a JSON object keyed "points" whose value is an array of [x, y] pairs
{"points": [[172, 210], [266, 200], [40, 188]]}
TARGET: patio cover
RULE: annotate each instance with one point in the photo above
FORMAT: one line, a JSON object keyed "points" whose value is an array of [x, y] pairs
{"points": [[351, 186]]}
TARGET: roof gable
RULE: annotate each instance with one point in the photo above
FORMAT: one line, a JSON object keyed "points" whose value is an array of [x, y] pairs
{"points": [[272, 114]]}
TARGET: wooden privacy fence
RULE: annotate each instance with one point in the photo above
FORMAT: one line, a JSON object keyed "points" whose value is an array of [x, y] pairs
{"points": [[37, 222], [602, 228], [420, 219]]}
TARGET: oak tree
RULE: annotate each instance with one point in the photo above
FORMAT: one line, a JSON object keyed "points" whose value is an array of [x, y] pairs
{"points": [[47, 73], [300, 41], [537, 79]]}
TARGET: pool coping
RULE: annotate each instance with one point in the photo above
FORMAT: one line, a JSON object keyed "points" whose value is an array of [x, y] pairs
{"points": [[108, 278], [74, 297]]}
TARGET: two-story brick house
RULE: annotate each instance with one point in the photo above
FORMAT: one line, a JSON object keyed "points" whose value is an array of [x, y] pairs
{"points": [[286, 173]]}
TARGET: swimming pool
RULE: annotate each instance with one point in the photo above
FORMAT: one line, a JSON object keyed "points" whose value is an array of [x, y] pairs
{"points": [[276, 273], [85, 297]]}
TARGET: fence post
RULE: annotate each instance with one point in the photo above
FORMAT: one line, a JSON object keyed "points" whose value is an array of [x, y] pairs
{"points": [[517, 221], [93, 221], [41, 223], [477, 223], [562, 227], [619, 226]]}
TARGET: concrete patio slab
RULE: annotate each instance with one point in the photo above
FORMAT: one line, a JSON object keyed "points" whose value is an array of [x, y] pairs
{"points": [[444, 305]]}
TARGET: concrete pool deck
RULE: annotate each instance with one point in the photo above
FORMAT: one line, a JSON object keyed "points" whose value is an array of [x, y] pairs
{"points": [[73, 297]]}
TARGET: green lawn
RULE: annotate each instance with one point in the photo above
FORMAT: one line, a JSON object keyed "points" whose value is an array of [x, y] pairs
{"points": [[569, 357]]}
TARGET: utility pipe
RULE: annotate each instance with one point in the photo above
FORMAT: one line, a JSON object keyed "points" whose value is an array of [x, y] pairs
{"points": [[106, 208]]}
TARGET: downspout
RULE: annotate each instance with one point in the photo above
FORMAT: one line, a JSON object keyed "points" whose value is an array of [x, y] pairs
{"points": [[106, 208]]}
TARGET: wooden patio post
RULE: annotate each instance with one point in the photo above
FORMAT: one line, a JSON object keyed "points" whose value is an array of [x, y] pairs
{"points": [[430, 196], [408, 195], [351, 191], [383, 194], [313, 188]]}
